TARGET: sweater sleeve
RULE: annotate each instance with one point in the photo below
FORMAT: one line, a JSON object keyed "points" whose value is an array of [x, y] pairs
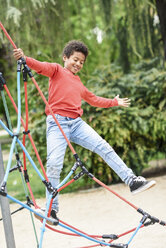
{"points": [[44, 68], [98, 101]]}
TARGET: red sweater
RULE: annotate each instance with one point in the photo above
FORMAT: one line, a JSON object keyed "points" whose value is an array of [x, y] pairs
{"points": [[66, 90]]}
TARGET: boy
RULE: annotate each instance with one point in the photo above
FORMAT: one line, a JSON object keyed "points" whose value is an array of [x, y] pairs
{"points": [[65, 94]]}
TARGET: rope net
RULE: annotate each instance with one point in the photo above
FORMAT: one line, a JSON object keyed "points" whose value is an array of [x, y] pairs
{"points": [[31, 205]]}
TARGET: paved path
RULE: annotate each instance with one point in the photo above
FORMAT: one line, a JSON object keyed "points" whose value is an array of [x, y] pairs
{"points": [[97, 212]]}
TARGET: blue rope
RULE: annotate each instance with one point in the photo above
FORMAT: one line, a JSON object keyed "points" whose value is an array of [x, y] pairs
{"points": [[139, 226], [44, 217], [27, 207], [85, 236], [30, 160], [44, 220], [19, 103], [65, 179], [48, 206], [63, 225], [18, 129], [3, 125], [24, 149]]}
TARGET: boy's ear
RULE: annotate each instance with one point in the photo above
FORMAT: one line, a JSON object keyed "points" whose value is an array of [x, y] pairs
{"points": [[64, 58]]}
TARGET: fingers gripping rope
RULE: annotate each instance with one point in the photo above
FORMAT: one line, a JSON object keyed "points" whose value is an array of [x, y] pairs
{"points": [[146, 219]]}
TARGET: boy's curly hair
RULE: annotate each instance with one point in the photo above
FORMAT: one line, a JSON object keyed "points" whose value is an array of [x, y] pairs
{"points": [[75, 46]]}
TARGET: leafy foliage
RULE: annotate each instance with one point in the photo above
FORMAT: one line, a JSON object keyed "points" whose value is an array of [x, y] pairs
{"points": [[135, 133], [120, 35]]}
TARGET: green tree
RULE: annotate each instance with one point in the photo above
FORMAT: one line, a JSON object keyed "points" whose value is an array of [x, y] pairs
{"points": [[161, 8], [118, 33]]}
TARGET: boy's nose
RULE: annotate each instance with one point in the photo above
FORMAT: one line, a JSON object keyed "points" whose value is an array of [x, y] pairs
{"points": [[78, 63]]}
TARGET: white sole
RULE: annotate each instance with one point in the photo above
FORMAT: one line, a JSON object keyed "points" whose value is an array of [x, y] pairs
{"points": [[49, 222], [149, 185]]}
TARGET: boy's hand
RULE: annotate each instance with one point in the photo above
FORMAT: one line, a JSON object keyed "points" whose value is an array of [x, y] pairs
{"points": [[124, 102], [18, 53]]}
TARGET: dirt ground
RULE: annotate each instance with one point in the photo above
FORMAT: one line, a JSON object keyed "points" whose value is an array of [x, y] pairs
{"points": [[99, 212]]}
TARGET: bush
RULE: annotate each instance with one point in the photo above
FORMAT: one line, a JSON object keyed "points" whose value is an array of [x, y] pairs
{"points": [[135, 133]]}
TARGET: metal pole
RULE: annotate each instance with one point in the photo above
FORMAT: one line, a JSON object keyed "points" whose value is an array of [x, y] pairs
{"points": [[5, 209]]}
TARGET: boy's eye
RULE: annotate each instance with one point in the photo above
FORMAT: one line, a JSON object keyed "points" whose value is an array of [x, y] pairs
{"points": [[81, 62]]}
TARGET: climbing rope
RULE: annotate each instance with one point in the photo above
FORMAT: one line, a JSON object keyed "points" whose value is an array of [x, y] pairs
{"points": [[146, 218]]}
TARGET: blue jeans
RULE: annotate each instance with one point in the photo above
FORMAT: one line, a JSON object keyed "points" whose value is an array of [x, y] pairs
{"points": [[79, 132]]}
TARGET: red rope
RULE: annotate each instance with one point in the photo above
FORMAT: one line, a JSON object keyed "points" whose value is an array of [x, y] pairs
{"points": [[70, 146], [120, 235], [8, 36], [92, 236], [29, 135], [65, 185], [40, 92], [72, 234], [30, 190], [33, 145], [113, 192], [51, 112]]}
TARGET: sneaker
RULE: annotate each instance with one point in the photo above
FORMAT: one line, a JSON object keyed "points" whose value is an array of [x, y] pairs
{"points": [[53, 219], [139, 184]]}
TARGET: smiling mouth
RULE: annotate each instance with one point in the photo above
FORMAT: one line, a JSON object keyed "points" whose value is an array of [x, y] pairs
{"points": [[76, 69]]}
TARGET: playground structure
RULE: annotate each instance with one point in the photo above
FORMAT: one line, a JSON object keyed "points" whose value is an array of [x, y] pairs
{"points": [[31, 205]]}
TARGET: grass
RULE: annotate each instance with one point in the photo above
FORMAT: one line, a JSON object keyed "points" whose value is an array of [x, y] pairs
{"points": [[15, 185], [158, 156], [16, 189], [15, 182]]}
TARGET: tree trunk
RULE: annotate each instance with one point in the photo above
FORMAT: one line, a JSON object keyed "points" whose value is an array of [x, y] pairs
{"points": [[161, 10]]}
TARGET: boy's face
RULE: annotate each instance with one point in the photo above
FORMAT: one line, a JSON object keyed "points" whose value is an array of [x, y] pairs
{"points": [[75, 62]]}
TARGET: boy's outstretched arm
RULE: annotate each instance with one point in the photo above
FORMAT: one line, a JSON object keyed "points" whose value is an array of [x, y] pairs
{"points": [[18, 53], [124, 102], [44, 68]]}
